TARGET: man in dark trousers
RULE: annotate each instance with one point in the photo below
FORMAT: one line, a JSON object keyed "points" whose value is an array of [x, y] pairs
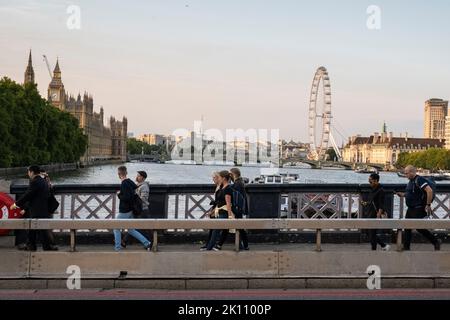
{"points": [[375, 210], [35, 199], [418, 198]]}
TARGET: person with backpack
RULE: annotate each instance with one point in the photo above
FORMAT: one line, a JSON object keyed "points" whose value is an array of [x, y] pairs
{"points": [[127, 196], [223, 204], [240, 208], [143, 192], [375, 210], [419, 195]]}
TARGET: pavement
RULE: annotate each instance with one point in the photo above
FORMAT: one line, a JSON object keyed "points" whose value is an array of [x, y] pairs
{"points": [[212, 295]]}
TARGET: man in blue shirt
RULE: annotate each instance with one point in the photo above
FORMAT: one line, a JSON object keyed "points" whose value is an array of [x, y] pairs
{"points": [[418, 198]]}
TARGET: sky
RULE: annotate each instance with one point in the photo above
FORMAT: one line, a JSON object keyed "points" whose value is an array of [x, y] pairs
{"points": [[240, 64]]}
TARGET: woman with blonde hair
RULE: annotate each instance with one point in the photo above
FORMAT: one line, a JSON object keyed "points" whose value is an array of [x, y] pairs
{"points": [[210, 212], [223, 203]]}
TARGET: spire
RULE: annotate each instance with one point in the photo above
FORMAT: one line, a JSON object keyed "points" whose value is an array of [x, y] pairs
{"points": [[30, 61], [384, 128], [29, 72], [57, 70]]}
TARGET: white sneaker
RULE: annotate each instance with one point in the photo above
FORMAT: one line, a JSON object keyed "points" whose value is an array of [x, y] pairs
{"points": [[386, 248]]}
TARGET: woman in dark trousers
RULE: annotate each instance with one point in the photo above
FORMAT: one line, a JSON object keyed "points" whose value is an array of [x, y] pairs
{"points": [[51, 191], [210, 212], [239, 186], [223, 201]]}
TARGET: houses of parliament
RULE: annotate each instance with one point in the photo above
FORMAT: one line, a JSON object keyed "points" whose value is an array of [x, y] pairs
{"points": [[103, 143]]}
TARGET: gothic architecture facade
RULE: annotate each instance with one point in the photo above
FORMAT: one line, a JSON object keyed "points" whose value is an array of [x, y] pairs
{"points": [[104, 143]]}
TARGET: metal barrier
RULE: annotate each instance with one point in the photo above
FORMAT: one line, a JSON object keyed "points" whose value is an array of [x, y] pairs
{"points": [[163, 224], [191, 201]]}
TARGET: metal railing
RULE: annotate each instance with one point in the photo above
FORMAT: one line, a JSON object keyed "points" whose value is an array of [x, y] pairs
{"points": [[191, 201], [260, 224]]}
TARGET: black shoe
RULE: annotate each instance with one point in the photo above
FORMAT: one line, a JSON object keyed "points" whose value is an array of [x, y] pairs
{"points": [[22, 247], [406, 248], [30, 248], [217, 248], [51, 248], [437, 245]]}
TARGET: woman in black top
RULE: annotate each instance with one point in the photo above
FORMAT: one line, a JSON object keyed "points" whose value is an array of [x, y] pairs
{"points": [[239, 186], [210, 213], [223, 199]]}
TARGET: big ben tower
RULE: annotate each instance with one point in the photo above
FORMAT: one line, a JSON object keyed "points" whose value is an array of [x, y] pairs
{"points": [[56, 93], [29, 72]]}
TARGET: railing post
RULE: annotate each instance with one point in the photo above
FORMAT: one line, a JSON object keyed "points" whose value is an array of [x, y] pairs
{"points": [[237, 241], [399, 239], [155, 241], [72, 240], [319, 240]]}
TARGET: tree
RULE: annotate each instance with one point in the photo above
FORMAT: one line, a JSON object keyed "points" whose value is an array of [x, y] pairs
{"points": [[432, 159], [135, 147], [331, 154], [33, 131]]}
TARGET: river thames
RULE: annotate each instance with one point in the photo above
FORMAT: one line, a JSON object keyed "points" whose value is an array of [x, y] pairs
{"points": [[191, 174]]}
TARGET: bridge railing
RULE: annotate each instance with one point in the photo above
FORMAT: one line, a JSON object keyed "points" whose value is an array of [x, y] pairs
{"points": [[192, 201], [261, 224]]}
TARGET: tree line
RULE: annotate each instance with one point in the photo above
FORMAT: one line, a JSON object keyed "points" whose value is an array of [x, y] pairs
{"points": [[135, 146], [432, 159], [32, 131]]}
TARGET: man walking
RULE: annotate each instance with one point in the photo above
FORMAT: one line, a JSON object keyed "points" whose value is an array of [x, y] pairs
{"points": [[143, 191], [418, 196], [126, 195], [35, 200], [375, 210]]}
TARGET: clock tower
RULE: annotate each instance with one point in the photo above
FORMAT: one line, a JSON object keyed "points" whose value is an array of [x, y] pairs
{"points": [[56, 93], [29, 72]]}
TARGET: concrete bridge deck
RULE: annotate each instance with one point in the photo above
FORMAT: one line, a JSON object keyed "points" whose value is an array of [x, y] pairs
{"points": [[265, 266], [224, 295]]}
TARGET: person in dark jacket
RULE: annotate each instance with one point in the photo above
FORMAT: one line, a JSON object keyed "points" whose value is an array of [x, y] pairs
{"points": [[126, 195], [239, 186], [35, 200], [375, 209]]}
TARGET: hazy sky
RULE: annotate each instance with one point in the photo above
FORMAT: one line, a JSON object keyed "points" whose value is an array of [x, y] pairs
{"points": [[240, 64]]}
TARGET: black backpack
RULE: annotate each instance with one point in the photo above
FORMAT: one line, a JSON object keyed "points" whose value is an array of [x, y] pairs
{"points": [[137, 205], [238, 203]]}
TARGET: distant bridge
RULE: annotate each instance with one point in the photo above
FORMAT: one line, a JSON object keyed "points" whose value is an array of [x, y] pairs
{"points": [[143, 157], [324, 164]]}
